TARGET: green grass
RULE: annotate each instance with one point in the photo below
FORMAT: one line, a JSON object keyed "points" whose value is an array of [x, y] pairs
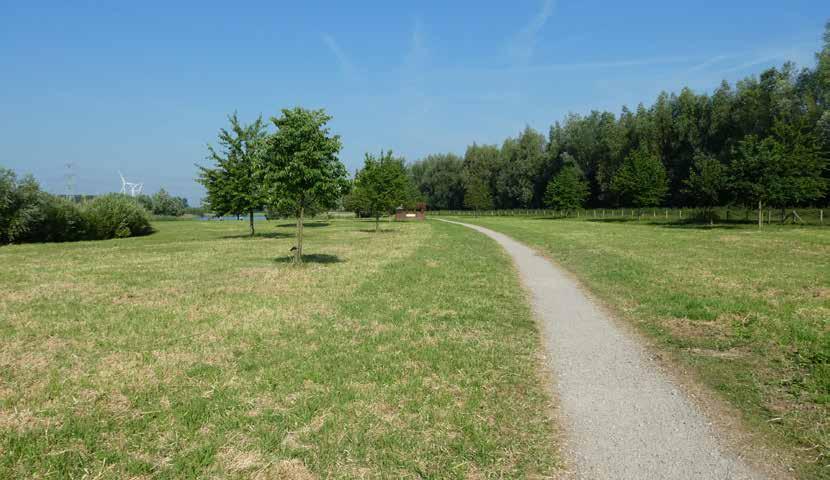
{"points": [[749, 311], [197, 352]]}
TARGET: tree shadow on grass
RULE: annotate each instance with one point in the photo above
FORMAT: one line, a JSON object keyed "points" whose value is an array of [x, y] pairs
{"points": [[259, 235], [382, 230], [618, 220], [689, 225], [702, 226], [306, 224], [322, 258]]}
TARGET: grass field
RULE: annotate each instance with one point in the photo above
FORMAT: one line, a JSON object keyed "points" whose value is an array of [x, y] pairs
{"points": [[197, 352], [749, 311]]}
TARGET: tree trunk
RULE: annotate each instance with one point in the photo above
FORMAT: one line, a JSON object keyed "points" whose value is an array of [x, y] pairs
{"points": [[251, 221], [298, 253], [760, 215]]}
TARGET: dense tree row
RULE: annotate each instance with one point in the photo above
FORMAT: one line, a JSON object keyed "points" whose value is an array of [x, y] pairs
{"points": [[763, 142]]}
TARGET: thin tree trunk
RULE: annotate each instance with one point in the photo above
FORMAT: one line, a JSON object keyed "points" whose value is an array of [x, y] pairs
{"points": [[760, 215], [251, 221], [298, 254]]}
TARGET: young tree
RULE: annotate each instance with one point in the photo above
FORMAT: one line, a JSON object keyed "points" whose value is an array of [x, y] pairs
{"points": [[381, 185], [641, 180], [477, 194], [783, 169], [706, 183], [567, 190], [300, 165], [234, 186]]}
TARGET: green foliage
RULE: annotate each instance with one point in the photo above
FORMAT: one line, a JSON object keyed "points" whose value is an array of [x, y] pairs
{"points": [[707, 182], [59, 220], [381, 185], [163, 204], [567, 190], [439, 180], [477, 194], [116, 216], [28, 214], [521, 161], [235, 185], [20, 202], [478, 174], [782, 169], [300, 160], [641, 180], [300, 165]]}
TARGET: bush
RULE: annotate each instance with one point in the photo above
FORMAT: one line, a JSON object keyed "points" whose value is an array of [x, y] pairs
{"points": [[116, 216], [58, 220], [19, 206]]}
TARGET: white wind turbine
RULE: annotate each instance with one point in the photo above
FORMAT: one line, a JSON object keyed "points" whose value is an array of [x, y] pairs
{"points": [[129, 188]]}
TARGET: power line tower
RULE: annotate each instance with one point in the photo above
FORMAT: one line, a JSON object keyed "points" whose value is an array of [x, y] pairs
{"points": [[69, 180]]}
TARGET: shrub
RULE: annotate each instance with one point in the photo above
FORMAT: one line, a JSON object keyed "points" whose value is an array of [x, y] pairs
{"points": [[116, 216], [19, 206], [57, 220]]}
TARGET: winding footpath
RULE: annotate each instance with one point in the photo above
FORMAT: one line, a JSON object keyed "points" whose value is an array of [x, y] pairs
{"points": [[623, 418]]}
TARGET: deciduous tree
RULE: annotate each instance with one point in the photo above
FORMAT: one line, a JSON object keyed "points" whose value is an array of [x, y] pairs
{"points": [[234, 185], [641, 181], [567, 190], [381, 185], [301, 167], [706, 183]]}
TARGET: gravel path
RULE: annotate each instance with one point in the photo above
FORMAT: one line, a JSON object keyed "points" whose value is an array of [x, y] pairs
{"points": [[623, 418]]}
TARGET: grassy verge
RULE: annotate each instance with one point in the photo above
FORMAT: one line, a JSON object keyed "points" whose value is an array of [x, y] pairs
{"points": [[197, 352], [749, 311]]}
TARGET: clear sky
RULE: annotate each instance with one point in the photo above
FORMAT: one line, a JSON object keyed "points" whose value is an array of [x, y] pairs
{"points": [[143, 86]]}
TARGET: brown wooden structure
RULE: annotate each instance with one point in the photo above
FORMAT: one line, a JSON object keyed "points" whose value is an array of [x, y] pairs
{"points": [[419, 213]]}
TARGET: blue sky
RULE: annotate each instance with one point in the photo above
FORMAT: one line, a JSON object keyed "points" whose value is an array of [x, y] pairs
{"points": [[142, 87]]}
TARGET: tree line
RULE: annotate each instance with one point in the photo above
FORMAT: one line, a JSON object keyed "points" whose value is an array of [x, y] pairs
{"points": [[761, 143]]}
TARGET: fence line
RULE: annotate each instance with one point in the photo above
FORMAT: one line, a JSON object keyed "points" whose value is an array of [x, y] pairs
{"points": [[806, 216]]}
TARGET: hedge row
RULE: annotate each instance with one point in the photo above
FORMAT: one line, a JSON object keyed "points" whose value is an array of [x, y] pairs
{"points": [[28, 214]]}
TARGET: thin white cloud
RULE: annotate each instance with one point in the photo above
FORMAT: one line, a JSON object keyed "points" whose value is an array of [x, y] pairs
{"points": [[707, 64], [521, 47], [346, 66]]}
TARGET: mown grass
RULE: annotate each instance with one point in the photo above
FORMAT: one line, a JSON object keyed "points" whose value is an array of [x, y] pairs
{"points": [[197, 352], [749, 311]]}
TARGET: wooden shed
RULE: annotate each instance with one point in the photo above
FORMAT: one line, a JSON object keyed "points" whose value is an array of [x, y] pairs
{"points": [[403, 214]]}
